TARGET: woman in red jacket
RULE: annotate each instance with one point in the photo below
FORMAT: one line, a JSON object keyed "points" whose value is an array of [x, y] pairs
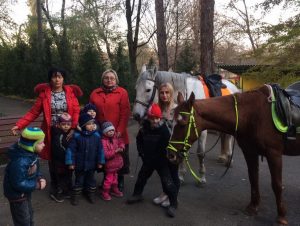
{"points": [[54, 98], [112, 105]]}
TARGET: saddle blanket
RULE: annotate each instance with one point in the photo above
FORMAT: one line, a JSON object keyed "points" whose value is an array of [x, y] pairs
{"points": [[224, 91]]}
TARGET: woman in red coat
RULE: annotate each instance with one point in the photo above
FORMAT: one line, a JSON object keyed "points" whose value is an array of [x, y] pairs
{"points": [[54, 98], [112, 105]]}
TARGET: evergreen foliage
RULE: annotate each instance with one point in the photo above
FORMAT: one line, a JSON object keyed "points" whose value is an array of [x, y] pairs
{"points": [[186, 61], [87, 71], [121, 65]]}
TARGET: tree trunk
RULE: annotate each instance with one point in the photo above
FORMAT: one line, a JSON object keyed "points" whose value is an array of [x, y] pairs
{"points": [[177, 36], [248, 30], [132, 40], [206, 36], [40, 26], [161, 35]]}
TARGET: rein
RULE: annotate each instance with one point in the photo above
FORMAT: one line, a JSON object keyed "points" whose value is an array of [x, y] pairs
{"points": [[187, 145], [147, 105]]}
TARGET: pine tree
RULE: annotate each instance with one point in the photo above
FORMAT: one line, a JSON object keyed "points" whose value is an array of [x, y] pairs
{"points": [[186, 61]]}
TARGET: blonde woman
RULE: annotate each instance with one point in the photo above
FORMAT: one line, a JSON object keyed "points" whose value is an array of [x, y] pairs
{"points": [[167, 105]]}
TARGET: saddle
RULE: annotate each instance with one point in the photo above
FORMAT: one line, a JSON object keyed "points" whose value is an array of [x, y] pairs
{"points": [[214, 84], [287, 108]]}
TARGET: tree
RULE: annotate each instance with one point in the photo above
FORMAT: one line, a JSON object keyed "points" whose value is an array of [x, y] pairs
{"points": [[121, 65], [248, 23], [6, 22], [88, 69], [133, 33], [186, 60], [206, 36], [161, 35], [60, 38], [99, 17]]}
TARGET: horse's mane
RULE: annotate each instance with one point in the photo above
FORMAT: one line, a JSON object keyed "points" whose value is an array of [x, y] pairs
{"points": [[163, 76]]}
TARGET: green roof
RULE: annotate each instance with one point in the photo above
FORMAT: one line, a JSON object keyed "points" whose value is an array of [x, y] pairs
{"points": [[236, 69]]}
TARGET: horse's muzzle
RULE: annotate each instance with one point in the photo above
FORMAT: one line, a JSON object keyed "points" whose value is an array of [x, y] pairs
{"points": [[137, 117]]}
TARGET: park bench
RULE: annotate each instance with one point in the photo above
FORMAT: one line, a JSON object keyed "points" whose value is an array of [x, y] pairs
{"points": [[6, 137]]}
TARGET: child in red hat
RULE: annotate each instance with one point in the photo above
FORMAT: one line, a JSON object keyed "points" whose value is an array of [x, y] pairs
{"points": [[152, 140]]}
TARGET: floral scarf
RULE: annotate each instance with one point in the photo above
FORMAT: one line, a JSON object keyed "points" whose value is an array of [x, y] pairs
{"points": [[109, 89]]}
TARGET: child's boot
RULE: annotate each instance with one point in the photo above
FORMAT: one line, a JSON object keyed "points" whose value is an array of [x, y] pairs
{"points": [[74, 199], [115, 191], [90, 195], [105, 195], [74, 196]]}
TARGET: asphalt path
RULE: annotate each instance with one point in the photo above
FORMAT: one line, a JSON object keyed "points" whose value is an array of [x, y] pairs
{"points": [[221, 202]]}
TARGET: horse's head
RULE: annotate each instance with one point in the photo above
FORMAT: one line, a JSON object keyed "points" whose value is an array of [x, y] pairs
{"points": [[145, 93], [184, 131]]}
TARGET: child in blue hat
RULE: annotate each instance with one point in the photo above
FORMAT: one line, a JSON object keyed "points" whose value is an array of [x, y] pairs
{"points": [[85, 155]]}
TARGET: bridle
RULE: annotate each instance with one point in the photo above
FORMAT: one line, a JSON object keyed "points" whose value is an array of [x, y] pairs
{"points": [[192, 125], [185, 142], [147, 105]]}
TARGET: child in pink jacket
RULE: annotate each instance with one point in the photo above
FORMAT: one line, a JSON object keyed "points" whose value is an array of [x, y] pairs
{"points": [[113, 147]]}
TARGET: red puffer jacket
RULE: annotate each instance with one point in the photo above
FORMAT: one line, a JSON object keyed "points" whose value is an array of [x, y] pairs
{"points": [[43, 104], [113, 107]]}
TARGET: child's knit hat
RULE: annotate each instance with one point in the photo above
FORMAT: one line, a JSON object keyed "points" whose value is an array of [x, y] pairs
{"points": [[31, 136], [107, 126], [84, 119], [88, 107], [154, 111], [64, 117]]}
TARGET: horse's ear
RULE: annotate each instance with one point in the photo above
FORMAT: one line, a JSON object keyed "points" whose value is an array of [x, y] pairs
{"points": [[180, 98], [144, 68], [191, 98]]}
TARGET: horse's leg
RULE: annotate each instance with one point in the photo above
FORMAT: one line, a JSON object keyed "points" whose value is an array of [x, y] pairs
{"points": [[275, 166], [226, 149], [201, 154], [253, 167]]}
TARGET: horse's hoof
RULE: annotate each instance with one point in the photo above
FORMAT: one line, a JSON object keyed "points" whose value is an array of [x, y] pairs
{"points": [[282, 221], [222, 159], [201, 183], [229, 164], [251, 210]]}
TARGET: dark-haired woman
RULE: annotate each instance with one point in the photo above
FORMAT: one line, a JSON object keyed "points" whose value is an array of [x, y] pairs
{"points": [[54, 98]]}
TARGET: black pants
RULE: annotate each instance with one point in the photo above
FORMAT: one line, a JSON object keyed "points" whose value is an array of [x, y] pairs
{"points": [[167, 182], [174, 174], [63, 177], [126, 163], [85, 180], [22, 212]]}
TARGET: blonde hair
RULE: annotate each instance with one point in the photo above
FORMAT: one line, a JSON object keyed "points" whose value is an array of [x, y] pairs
{"points": [[110, 71], [166, 106]]}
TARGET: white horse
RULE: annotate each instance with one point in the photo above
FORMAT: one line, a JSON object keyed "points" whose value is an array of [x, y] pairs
{"points": [[146, 93]]}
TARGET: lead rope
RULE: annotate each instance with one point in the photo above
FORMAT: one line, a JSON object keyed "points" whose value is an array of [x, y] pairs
{"points": [[235, 134]]}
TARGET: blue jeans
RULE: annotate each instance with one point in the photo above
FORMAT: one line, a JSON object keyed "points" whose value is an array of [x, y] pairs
{"points": [[22, 212]]}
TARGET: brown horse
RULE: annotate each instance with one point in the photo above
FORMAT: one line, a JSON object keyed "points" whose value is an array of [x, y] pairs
{"points": [[247, 116]]}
